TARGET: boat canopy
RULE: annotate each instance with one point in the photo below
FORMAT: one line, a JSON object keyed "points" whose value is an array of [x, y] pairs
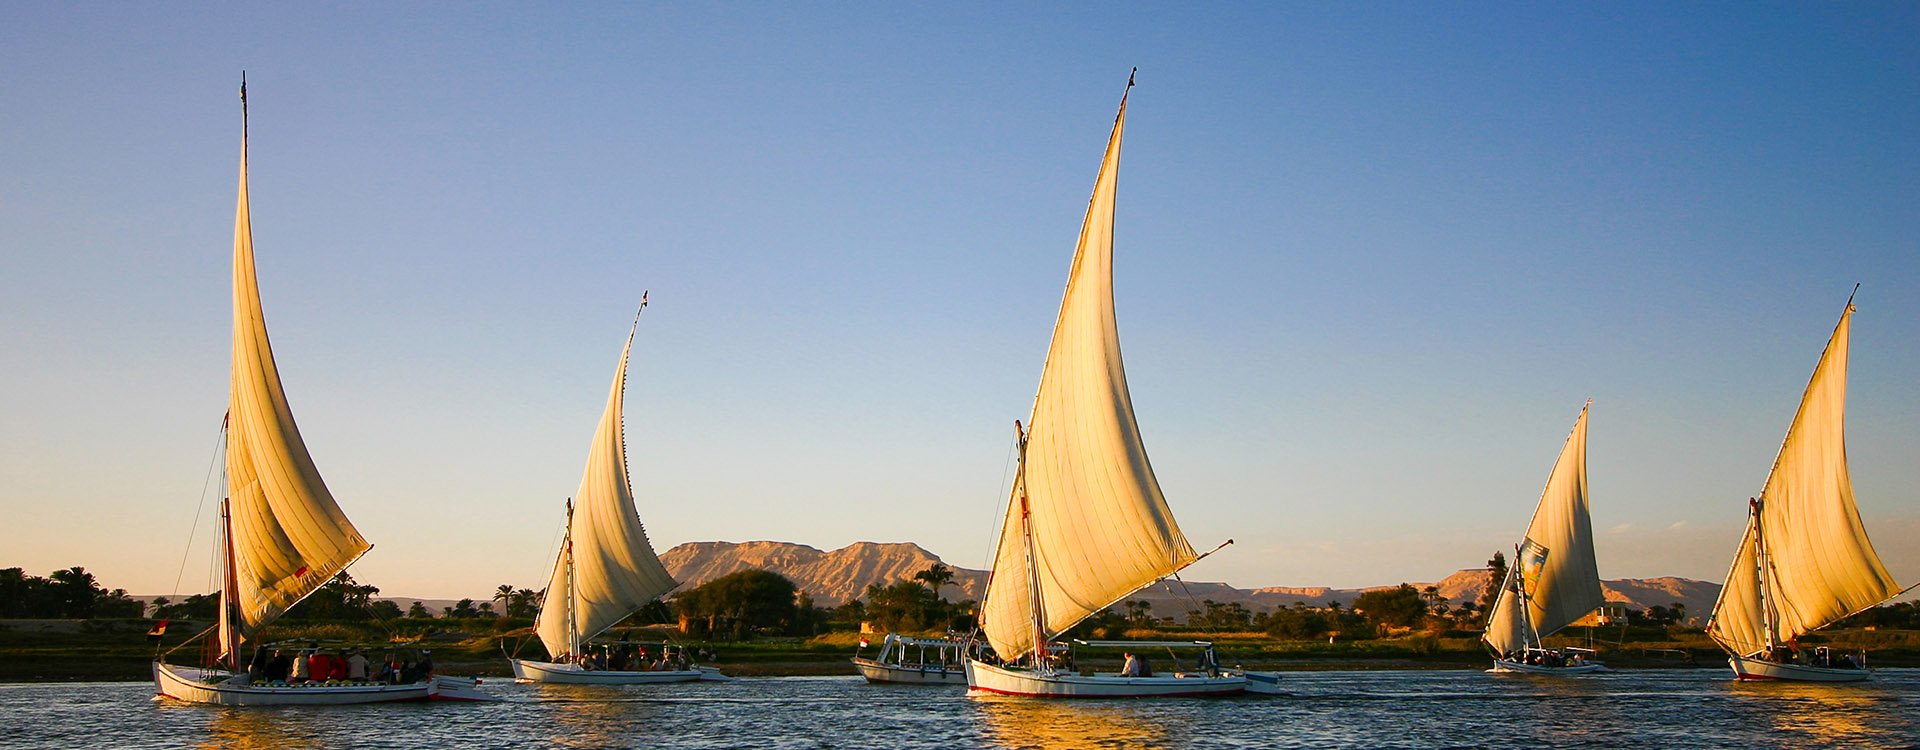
{"points": [[1145, 644]]}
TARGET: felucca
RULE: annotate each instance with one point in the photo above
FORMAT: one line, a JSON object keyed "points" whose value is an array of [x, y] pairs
{"points": [[606, 571], [282, 536], [1805, 561], [1553, 580], [1086, 524]]}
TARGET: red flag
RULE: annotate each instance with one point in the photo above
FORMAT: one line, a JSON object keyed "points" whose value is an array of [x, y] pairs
{"points": [[158, 630]]}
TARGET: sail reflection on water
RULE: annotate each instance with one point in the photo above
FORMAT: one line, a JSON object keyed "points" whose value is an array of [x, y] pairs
{"points": [[594, 715], [1019, 723], [1815, 714], [239, 729]]}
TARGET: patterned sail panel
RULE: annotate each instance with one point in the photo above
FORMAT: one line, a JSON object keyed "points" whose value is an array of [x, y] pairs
{"points": [[1101, 528], [1566, 585], [288, 535], [615, 571], [1821, 565]]}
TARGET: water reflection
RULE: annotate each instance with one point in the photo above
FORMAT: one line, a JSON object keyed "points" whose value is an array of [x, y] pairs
{"points": [[1033, 723], [593, 715], [1825, 714], [261, 729], [1566, 708]]}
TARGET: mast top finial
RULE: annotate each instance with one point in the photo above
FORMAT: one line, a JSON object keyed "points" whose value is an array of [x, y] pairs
{"points": [[1130, 76]]}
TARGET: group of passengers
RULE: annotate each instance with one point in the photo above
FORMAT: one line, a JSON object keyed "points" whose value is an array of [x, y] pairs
{"points": [[1546, 657], [630, 658], [302, 666], [1819, 656]]}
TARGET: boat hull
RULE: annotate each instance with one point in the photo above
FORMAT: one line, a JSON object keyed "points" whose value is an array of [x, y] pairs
{"points": [[933, 674], [212, 687], [1502, 666], [986, 678], [528, 670], [1264, 683], [1747, 669]]}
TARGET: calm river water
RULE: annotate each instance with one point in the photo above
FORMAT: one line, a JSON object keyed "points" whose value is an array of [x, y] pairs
{"points": [[1679, 708]]}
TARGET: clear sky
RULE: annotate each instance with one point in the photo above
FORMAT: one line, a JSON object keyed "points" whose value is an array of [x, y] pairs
{"points": [[1370, 260]]}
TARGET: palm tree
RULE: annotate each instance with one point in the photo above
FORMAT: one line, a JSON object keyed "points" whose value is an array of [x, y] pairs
{"points": [[504, 595], [935, 576]]}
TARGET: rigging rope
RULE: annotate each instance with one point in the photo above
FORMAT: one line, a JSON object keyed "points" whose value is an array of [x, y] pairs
{"points": [[219, 438]]}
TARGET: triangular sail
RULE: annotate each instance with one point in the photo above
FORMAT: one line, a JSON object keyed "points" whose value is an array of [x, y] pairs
{"points": [[1555, 564], [1507, 627], [1738, 624], [288, 536], [615, 571], [1818, 565], [1100, 527]]}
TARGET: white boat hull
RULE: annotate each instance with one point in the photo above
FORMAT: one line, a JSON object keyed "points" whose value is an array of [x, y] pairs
{"points": [[1502, 666], [214, 687], [1264, 683], [1745, 668], [527, 670], [930, 674], [986, 678]]}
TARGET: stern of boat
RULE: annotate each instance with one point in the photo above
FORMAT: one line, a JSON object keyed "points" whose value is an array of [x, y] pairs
{"points": [[450, 688]]}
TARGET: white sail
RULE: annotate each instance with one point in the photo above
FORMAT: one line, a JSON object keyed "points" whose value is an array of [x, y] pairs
{"points": [[1814, 563], [614, 571], [1555, 565], [288, 536], [1738, 623], [1100, 528]]}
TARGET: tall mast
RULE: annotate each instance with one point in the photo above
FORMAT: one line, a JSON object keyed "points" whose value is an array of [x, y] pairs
{"points": [[573, 633], [229, 586], [1033, 571], [1760, 561], [1526, 602], [229, 579]]}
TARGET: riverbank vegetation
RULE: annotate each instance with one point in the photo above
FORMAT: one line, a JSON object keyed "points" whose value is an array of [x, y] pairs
{"points": [[66, 626]]}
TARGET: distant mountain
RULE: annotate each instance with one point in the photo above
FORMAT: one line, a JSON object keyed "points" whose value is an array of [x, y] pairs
{"points": [[832, 578]]}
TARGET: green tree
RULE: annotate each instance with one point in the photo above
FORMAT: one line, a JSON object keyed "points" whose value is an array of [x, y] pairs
{"points": [[1140, 613], [905, 606], [340, 599], [1497, 577], [738, 604], [1298, 622], [419, 612], [1400, 606], [935, 576], [1220, 617]]}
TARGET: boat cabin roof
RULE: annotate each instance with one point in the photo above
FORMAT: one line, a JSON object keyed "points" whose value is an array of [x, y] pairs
{"points": [[1145, 644]]}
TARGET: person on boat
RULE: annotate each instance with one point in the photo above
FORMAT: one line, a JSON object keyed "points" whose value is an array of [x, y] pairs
{"points": [[1135, 666], [357, 667], [321, 667], [280, 667], [261, 665], [300, 671]]}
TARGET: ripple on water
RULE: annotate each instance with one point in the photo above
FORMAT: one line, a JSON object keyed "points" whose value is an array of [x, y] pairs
{"points": [[1374, 709]]}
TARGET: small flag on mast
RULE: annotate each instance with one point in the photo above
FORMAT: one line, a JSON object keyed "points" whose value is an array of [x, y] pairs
{"points": [[159, 629]]}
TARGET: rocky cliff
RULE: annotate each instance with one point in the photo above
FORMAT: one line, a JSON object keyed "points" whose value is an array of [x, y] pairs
{"points": [[832, 578]]}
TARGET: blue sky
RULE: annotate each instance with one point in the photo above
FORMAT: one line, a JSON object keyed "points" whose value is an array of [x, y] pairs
{"points": [[1370, 260]]}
